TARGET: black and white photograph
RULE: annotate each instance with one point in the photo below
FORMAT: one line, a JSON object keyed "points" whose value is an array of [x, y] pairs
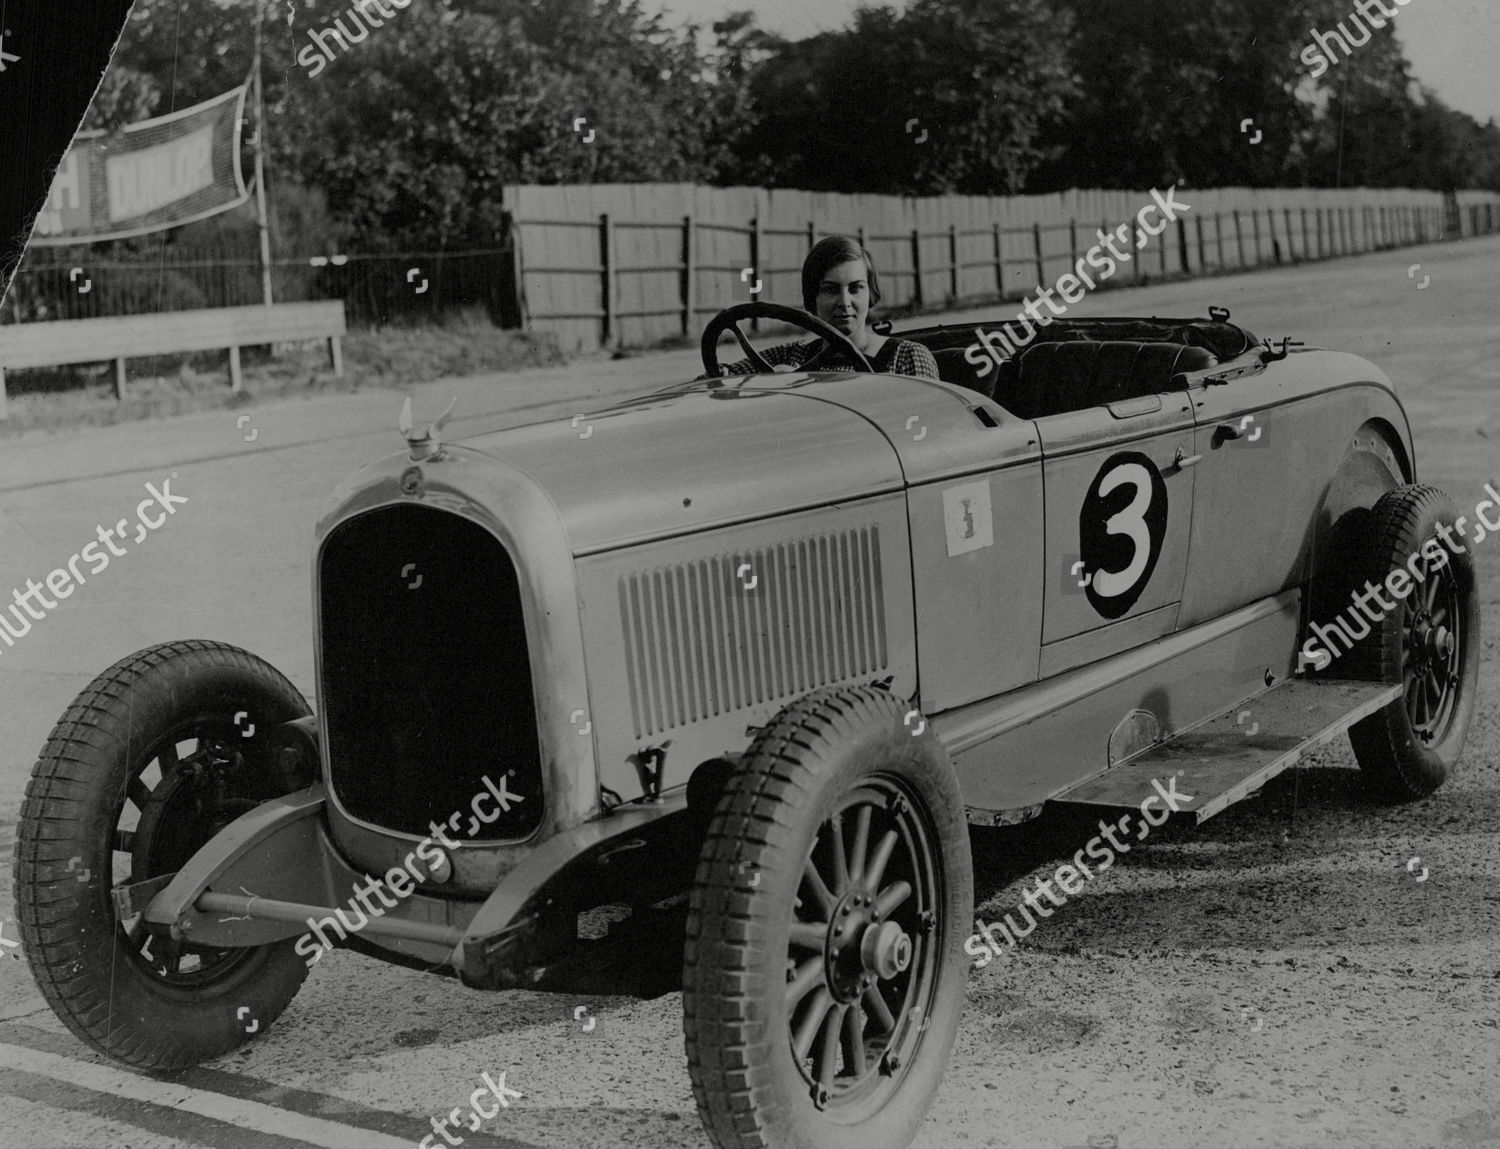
{"points": [[740, 574]]}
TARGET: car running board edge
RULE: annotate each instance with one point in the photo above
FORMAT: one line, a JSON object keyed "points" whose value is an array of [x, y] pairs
{"points": [[1232, 756]]}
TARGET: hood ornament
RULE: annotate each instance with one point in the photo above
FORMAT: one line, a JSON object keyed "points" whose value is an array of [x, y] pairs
{"points": [[426, 444]]}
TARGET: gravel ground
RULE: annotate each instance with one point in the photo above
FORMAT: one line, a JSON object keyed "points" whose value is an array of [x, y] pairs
{"points": [[1277, 977]]}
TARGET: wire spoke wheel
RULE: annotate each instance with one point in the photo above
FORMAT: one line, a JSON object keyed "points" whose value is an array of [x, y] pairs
{"points": [[860, 950], [1429, 643], [1431, 654], [182, 790], [148, 764], [823, 972]]}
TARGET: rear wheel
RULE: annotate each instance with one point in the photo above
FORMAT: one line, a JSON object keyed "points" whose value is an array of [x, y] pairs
{"points": [[1429, 644], [154, 757], [823, 974]]}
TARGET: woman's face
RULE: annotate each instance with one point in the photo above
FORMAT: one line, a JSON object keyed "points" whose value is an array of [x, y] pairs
{"points": [[844, 297]]}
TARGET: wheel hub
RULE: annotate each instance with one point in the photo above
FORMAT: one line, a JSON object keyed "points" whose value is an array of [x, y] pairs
{"points": [[885, 949], [862, 950], [1431, 643]]}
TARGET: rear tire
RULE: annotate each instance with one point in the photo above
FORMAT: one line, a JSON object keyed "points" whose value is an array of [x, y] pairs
{"points": [[1430, 643], [823, 970], [117, 798]]}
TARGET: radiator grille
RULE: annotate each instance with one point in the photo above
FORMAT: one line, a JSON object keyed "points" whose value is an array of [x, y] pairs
{"points": [[426, 687], [721, 633]]}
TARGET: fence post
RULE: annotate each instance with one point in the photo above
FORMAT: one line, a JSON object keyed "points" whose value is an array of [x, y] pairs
{"points": [[1139, 252], [1041, 266], [1072, 242], [607, 265], [916, 267], [690, 276], [1255, 228], [812, 234], [1182, 245], [755, 259], [953, 261], [999, 266], [1202, 249]]}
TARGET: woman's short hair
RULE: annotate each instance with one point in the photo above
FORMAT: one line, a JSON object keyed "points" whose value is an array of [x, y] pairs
{"points": [[828, 253]]}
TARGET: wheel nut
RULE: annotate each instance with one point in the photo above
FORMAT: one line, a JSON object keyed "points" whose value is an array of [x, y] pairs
{"points": [[890, 1062]]}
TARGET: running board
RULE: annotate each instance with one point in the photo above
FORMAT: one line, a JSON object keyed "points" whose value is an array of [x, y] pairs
{"points": [[1232, 756]]}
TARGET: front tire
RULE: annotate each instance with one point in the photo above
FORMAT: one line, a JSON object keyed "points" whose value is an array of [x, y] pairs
{"points": [[823, 970], [153, 758], [1429, 643]]}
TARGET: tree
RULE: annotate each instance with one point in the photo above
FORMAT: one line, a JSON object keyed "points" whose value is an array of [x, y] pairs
{"points": [[844, 111]]}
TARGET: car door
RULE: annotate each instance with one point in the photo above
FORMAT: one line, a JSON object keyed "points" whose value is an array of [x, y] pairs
{"points": [[1251, 518], [1118, 483]]}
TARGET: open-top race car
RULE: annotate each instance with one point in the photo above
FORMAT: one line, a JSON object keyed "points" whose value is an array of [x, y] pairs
{"points": [[769, 642]]}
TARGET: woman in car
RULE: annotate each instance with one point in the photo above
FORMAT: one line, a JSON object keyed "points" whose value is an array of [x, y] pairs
{"points": [[839, 286]]}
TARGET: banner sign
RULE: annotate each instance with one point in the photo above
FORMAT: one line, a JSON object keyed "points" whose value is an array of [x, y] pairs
{"points": [[156, 174]]}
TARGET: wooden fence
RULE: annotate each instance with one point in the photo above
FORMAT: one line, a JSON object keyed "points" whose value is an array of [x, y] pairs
{"points": [[629, 265]]}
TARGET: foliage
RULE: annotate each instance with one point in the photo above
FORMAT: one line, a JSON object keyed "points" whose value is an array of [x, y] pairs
{"points": [[844, 111], [412, 134]]}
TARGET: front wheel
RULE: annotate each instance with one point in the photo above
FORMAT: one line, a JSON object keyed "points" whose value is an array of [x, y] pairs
{"points": [[154, 757], [1429, 643], [823, 973]]}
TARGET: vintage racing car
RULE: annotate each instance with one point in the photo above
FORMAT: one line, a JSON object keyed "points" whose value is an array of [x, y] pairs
{"points": [[766, 643]]}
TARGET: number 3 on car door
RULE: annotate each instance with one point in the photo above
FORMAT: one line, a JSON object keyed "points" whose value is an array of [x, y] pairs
{"points": [[1119, 500], [1120, 546]]}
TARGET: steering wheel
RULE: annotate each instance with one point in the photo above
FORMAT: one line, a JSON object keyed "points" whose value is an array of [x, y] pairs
{"points": [[729, 319]]}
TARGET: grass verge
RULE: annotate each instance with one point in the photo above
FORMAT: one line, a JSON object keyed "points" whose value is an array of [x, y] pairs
{"points": [[62, 398]]}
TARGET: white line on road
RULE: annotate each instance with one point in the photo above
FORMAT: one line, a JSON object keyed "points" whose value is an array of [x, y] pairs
{"points": [[233, 1110]]}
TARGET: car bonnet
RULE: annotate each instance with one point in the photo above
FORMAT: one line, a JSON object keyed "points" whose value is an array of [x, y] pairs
{"points": [[699, 456]]}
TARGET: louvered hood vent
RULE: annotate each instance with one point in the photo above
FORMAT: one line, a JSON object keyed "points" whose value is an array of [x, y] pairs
{"points": [[727, 632]]}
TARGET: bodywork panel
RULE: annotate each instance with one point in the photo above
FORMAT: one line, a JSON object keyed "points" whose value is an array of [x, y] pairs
{"points": [[1022, 750], [695, 640], [1260, 494], [695, 460]]}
